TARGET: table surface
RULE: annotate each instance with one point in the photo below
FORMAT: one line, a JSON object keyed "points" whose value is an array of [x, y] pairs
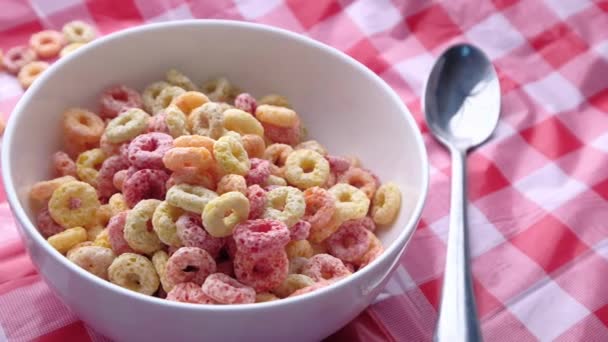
{"points": [[538, 209]]}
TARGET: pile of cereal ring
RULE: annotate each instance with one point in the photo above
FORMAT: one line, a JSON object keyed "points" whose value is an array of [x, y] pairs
{"points": [[206, 195]]}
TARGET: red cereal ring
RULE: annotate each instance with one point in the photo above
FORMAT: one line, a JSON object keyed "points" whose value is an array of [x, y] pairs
{"points": [[320, 207], [262, 273], [192, 234], [63, 164], [360, 178], [260, 236], [283, 135], [145, 184], [226, 290], [146, 151], [300, 230], [258, 172], [117, 98], [189, 293], [116, 234], [105, 177], [158, 123], [246, 102], [257, 201], [337, 164], [46, 225], [311, 288], [189, 264], [349, 242], [17, 57], [325, 267]]}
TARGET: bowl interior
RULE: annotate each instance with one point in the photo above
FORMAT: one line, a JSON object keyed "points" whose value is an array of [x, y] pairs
{"points": [[343, 106]]}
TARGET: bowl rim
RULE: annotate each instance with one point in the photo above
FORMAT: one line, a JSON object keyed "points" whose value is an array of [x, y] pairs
{"points": [[30, 229]]}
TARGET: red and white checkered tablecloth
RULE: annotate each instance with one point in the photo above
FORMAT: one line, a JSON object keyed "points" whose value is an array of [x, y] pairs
{"points": [[538, 206]]}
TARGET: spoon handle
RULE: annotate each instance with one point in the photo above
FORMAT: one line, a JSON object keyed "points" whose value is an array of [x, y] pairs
{"points": [[457, 312]]}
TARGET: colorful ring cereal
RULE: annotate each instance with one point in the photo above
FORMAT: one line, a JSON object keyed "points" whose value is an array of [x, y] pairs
{"points": [[263, 297], [189, 293], [126, 126], [117, 203], [195, 177], [30, 72], [74, 204], [283, 135], [325, 267], [257, 201], [337, 164], [73, 249], [147, 150], [163, 222], [285, 204], [275, 181], [231, 156], [296, 264], [300, 230], [105, 176], [192, 234], [226, 290], [46, 225], [254, 145], [215, 220], [207, 120], [312, 145], [82, 125], [17, 57], [184, 158], [175, 120], [189, 264], [351, 202], [166, 97], [349, 242], [42, 191], [277, 155], [136, 231], [386, 204], [274, 100], [190, 197], [158, 123], [159, 260], [150, 94], [47, 43], [67, 239], [361, 179], [118, 180], [63, 164], [306, 168], [291, 284], [260, 236], [299, 249], [259, 171], [189, 101], [88, 164], [118, 98], [194, 141], [177, 78], [375, 250], [145, 184], [263, 273], [245, 102], [101, 239], [220, 90], [232, 182], [68, 49], [134, 272], [116, 234], [242, 122], [93, 259], [78, 32], [277, 116], [320, 207]]}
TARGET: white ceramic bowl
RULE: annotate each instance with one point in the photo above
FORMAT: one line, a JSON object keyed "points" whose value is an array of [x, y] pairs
{"points": [[344, 105]]}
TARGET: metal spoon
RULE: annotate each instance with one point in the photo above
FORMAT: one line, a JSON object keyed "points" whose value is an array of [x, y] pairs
{"points": [[462, 105]]}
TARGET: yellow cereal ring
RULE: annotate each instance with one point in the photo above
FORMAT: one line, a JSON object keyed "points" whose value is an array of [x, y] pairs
{"points": [[296, 265], [207, 120], [220, 90], [215, 220], [299, 249], [151, 93], [74, 204], [275, 100], [291, 284], [78, 32], [190, 197], [306, 168], [265, 297], [103, 239], [276, 180], [285, 204], [242, 122], [42, 191], [163, 222], [275, 115], [166, 97], [386, 203], [93, 232], [136, 227], [159, 260], [68, 49], [231, 156], [88, 164], [351, 203], [176, 122], [118, 203], [93, 259], [312, 145], [194, 141], [189, 101], [177, 78], [127, 126], [134, 272], [67, 239]]}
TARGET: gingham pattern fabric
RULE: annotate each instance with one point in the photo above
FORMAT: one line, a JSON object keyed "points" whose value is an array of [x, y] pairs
{"points": [[538, 209]]}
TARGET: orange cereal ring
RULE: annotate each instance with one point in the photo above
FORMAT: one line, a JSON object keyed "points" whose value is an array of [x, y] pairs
{"points": [[194, 141], [30, 72], [82, 125], [277, 116], [232, 182], [74, 204], [43, 190], [183, 158], [47, 44], [254, 145], [189, 101]]}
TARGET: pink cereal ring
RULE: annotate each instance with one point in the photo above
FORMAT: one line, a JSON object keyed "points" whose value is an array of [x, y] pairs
{"points": [[258, 172], [349, 242], [116, 234], [283, 135], [105, 177], [46, 225], [47, 44], [362, 179], [325, 267], [192, 234], [337, 164], [158, 123], [257, 201], [117, 98], [145, 184], [189, 293], [260, 236], [300, 230], [146, 151], [262, 273], [320, 207], [226, 290], [189, 264], [64, 165], [17, 57], [246, 102]]}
